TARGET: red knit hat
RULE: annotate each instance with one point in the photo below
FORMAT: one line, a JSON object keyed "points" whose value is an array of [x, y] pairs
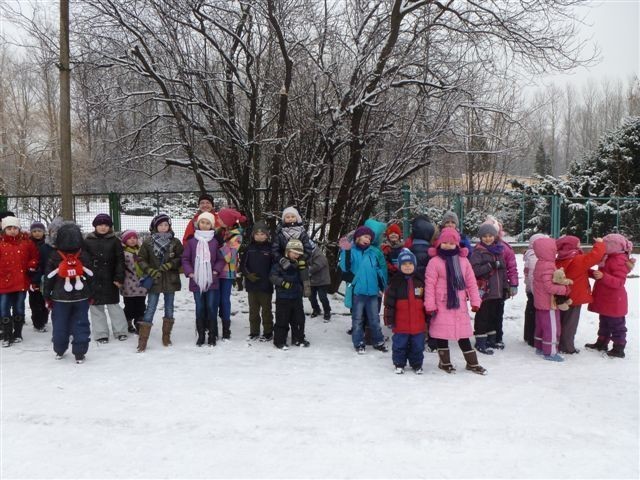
{"points": [[393, 228]]}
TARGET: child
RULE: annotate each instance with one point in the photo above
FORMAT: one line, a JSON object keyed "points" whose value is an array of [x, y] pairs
{"points": [[106, 260], [19, 258], [203, 264], [392, 247], [320, 279], [576, 267], [369, 282], [133, 292], [67, 289], [511, 289], [610, 296], [404, 313], [450, 281], [256, 265], [291, 227], [530, 261], [450, 219], [419, 242], [547, 332], [289, 290], [160, 257], [230, 220], [489, 268], [39, 311]]}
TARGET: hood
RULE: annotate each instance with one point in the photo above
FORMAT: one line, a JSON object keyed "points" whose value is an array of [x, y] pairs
{"points": [[422, 228], [535, 237], [378, 229], [545, 249]]}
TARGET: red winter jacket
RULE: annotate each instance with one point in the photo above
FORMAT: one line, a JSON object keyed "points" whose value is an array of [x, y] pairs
{"points": [[403, 304], [609, 294], [17, 256], [577, 269]]}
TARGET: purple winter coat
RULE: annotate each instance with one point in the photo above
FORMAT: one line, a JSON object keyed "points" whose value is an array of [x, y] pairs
{"points": [[510, 260], [189, 260]]}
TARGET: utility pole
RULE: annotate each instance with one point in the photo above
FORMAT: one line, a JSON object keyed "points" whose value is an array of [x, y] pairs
{"points": [[65, 114]]}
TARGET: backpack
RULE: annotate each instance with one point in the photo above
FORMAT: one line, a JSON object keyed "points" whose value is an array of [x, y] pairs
{"points": [[71, 268]]}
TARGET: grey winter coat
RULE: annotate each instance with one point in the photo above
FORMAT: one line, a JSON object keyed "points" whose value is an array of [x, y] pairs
{"points": [[319, 269]]}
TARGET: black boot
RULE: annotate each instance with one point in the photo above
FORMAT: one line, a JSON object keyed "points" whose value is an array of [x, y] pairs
{"points": [[482, 347], [601, 344], [130, 327], [18, 322], [200, 331], [213, 330], [617, 351], [226, 329], [7, 331]]}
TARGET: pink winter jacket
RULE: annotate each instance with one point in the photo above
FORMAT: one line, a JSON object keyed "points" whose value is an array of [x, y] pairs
{"points": [[530, 260], [543, 286], [449, 324], [512, 266]]}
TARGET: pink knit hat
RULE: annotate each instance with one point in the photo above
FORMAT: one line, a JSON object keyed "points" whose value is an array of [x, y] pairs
{"points": [[616, 243], [448, 235], [127, 234]]}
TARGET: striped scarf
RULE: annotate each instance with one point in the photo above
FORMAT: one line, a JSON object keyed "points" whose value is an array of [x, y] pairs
{"points": [[455, 279]]}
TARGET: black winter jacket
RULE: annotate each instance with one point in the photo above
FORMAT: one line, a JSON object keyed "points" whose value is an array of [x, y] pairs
{"points": [[53, 288], [292, 275], [286, 232], [106, 260], [256, 258]]}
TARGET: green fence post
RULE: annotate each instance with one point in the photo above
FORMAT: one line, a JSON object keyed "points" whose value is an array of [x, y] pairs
{"points": [[555, 216], [114, 210], [457, 208], [406, 201], [588, 229], [617, 214], [522, 219], [4, 203]]}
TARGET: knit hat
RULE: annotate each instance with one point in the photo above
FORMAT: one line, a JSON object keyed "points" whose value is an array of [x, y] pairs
{"points": [[10, 222], [127, 234], [205, 196], [54, 226], [37, 226], [496, 223], [69, 237], [450, 217], [6, 213], [102, 219], [294, 245], [614, 243], [406, 256], [487, 229], [260, 226], [293, 211], [230, 216], [360, 231], [157, 220], [448, 235], [207, 216], [393, 228]]}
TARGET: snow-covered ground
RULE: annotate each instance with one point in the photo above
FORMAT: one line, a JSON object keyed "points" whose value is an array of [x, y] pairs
{"points": [[241, 410]]}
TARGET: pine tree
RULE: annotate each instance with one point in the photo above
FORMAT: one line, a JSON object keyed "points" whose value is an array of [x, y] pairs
{"points": [[543, 161]]}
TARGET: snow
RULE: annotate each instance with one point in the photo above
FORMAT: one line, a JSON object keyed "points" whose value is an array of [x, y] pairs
{"points": [[241, 410]]}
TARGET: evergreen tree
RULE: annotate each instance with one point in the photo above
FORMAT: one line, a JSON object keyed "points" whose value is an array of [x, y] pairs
{"points": [[543, 162]]}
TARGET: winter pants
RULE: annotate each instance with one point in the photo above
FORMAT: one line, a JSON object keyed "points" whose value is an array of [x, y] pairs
{"points": [[463, 343], [39, 310], [569, 326], [225, 299], [289, 312], [260, 301], [547, 333], [134, 307], [99, 325], [499, 312], [320, 292], [613, 328], [152, 304], [368, 304], [406, 346], [71, 319], [206, 308], [529, 320], [12, 304], [486, 319]]}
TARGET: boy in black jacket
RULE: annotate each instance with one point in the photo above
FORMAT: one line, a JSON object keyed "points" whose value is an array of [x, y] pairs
{"points": [[286, 276], [255, 265]]}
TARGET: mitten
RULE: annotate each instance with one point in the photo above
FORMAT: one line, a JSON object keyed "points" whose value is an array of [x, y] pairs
{"points": [[474, 308], [155, 273], [344, 244], [302, 264], [252, 277], [284, 263], [431, 313], [286, 285], [49, 303]]}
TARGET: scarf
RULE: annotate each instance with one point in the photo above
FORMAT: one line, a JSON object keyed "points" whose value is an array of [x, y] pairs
{"points": [[161, 243], [495, 248], [203, 271], [455, 279], [294, 231], [136, 260], [565, 254]]}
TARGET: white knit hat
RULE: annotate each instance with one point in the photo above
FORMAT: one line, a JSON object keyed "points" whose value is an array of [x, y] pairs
{"points": [[10, 222], [293, 211], [207, 216]]}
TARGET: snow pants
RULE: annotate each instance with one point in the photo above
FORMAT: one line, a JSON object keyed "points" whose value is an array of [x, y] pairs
{"points": [[71, 319], [547, 335], [406, 346], [99, 325]]}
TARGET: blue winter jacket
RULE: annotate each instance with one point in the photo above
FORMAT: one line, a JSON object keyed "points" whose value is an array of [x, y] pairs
{"points": [[369, 269], [280, 275]]}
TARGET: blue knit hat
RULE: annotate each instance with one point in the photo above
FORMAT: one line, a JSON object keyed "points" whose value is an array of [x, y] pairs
{"points": [[406, 256]]}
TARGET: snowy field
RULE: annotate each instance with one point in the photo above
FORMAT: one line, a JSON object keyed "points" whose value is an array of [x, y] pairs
{"points": [[247, 411]]}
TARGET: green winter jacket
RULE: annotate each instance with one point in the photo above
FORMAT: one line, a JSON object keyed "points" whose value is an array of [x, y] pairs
{"points": [[169, 281]]}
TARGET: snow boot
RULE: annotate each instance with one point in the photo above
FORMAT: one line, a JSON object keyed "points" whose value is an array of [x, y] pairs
{"points": [[167, 326], [130, 327], [327, 317], [200, 331], [226, 329], [482, 347], [601, 344], [7, 331], [144, 330], [315, 313], [617, 351], [212, 323], [445, 360], [18, 322], [471, 358], [399, 370]]}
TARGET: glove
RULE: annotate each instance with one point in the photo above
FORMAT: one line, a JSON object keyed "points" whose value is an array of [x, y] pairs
{"points": [[155, 273], [431, 313], [166, 266], [474, 308], [239, 283], [286, 285], [513, 290], [49, 303], [306, 290], [344, 244], [498, 265], [252, 277], [302, 264], [284, 263]]}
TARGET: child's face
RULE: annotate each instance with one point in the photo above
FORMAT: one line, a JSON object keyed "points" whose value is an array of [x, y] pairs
{"points": [[293, 255], [260, 237], [12, 231], [102, 229], [205, 206], [131, 241], [289, 218], [163, 227], [407, 268], [488, 239], [448, 245], [394, 237], [37, 234], [450, 223], [204, 225], [364, 240]]}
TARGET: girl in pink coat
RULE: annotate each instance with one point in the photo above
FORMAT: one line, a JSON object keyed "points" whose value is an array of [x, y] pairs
{"points": [[449, 283], [610, 296], [547, 333]]}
